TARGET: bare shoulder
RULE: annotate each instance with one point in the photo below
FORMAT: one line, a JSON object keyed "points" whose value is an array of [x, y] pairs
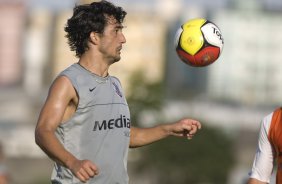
{"points": [[61, 82], [60, 98], [62, 86], [61, 93]]}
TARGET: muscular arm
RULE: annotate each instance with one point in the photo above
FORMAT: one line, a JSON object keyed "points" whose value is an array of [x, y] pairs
{"points": [[52, 114], [144, 136], [59, 106]]}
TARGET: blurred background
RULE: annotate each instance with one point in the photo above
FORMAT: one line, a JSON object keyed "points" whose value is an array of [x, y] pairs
{"points": [[230, 97]]}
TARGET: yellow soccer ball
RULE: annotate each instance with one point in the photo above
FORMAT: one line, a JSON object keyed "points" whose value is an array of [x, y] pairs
{"points": [[198, 42]]}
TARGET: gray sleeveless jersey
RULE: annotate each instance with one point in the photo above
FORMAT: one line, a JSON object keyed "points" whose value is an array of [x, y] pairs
{"points": [[98, 131]]}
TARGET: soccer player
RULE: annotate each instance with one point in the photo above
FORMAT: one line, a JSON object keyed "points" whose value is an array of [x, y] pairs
{"points": [[269, 149], [84, 125]]}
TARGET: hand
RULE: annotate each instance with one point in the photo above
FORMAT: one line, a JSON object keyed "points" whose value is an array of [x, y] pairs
{"points": [[185, 128], [84, 170]]}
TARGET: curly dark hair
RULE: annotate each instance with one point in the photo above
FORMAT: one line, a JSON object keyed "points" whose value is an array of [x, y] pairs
{"points": [[89, 18]]}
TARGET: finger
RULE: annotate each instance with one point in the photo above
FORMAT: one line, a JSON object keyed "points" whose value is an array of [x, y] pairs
{"points": [[90, 168], [84, 174], [186, 127], [189, 137], [81, 177], [94, 169], [198, 124], [193, 130], [89, 171]]}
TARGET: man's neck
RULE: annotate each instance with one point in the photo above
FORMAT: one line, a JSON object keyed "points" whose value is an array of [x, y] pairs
{"points": [[96, 66]]}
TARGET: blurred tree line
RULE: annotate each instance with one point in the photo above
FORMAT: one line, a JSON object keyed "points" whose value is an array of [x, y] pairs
{"points": [[208, 158]]}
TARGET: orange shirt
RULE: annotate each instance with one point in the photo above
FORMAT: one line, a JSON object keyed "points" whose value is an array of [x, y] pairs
{"points": [[275, 138]]}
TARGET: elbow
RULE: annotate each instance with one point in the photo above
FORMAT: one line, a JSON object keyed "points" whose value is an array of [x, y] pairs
{"points": [[134, 138], [37, 136], [133, 146], [135, 143]]}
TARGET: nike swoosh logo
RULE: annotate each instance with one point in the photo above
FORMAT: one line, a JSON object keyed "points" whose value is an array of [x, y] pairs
{"points": [[91, 89]]}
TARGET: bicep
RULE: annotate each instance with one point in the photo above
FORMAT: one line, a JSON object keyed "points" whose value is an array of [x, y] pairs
{"points": [[60, 94]]}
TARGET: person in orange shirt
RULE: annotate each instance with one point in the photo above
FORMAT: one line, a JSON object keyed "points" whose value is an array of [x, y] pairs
{"points": [[269, 150]]}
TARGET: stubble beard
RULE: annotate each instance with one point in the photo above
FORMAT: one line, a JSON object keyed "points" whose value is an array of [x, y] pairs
{"points": [[115, 60]]}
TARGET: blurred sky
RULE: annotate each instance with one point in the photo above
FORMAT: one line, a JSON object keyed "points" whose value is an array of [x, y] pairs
{"points": [[52, 4], [62, 4]]}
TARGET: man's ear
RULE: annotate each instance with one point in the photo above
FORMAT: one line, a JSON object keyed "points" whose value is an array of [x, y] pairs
{"points": [[93, 38]]}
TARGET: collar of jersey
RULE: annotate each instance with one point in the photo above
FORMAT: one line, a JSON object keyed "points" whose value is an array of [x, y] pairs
{"points": [[98, 78]]}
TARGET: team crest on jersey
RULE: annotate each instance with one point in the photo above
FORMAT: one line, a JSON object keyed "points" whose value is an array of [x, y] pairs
{"points": [[117, 89]]}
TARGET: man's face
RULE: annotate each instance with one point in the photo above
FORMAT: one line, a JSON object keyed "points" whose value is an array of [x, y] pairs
{"points": [[111, 41]]}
